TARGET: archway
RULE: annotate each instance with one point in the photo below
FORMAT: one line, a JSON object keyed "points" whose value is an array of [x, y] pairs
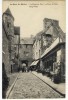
{"points": [[24, 62]]}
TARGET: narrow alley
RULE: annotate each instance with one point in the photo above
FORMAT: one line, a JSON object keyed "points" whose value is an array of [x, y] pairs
{"points": [[29, 86]]}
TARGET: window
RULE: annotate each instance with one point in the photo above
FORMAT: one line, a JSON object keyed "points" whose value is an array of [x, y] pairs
{"points": [[39, 42], [6, 19], [36, 43], [8, 24], [26, 45]]}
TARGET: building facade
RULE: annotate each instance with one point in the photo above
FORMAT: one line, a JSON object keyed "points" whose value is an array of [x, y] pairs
{"points": [[54, 57], [8, 32], [5, 51], [45, 38], [8, 43], [49, 46], [26, 51], [37, 50]]}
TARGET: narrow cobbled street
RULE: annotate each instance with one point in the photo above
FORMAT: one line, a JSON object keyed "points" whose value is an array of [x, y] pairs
{"points": [[29, 86]]}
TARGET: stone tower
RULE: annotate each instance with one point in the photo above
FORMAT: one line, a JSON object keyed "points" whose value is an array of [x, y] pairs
{"points": [[8, 21]]}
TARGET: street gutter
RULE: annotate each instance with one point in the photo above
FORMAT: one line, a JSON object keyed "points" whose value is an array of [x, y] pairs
{"points": [[10, 89]]}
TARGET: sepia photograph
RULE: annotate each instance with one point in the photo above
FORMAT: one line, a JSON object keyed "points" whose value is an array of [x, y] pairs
{"points": [[33, 49]]}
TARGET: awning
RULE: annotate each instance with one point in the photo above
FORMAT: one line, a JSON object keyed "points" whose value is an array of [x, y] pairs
{"points": [[34, 63], [55, 43]]}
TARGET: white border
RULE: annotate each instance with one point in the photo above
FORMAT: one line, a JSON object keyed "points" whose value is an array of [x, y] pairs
{"points": [[0, 49], [66, 50]]}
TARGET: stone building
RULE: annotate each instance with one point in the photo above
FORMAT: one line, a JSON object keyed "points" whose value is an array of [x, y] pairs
{"points": [[49, 46], [9, 27], [45, 38], [41, 42], [16, 39], [5, 51], [8, 34], [51, 27], [16, 48], [7, 38], [26, 51], [54, 57], [37, 50]]}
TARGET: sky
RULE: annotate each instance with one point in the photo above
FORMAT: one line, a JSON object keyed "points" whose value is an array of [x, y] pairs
{"points": [[30, 19]]}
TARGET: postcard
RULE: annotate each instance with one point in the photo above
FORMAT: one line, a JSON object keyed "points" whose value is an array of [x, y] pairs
{"points": [[33, 49]]}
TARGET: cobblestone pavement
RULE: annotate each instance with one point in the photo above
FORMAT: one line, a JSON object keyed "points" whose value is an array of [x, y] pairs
{"points": [[12, 77], [29, 86]]}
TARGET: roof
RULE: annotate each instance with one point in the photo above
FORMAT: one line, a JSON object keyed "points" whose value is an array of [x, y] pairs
{"points": [[61, 34], [56, 22], [27, 40], [34, 63], [38, 35], [8, 12]]}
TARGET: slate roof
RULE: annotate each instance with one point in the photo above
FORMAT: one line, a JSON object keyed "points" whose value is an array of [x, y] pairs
{"points": [[38, 35], [55, 24], [8, 12], [61, 34], [27, 40]]}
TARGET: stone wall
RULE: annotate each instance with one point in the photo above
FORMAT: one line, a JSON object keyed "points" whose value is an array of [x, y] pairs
{"points": [[8, 22], [26, 52], [37, 49], [5, 52]]}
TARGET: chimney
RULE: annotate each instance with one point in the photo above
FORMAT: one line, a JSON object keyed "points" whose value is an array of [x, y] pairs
{"points": [[48, 22]]}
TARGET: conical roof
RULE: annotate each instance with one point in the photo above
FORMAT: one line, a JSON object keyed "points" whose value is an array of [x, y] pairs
{"points": [[8, 12]]}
